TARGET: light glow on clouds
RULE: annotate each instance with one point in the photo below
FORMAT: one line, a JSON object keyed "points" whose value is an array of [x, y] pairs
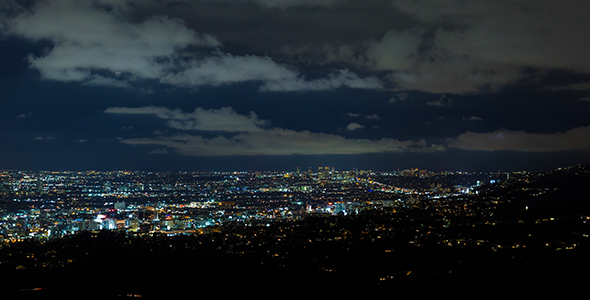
{"points": [[279, 141], [252, 139]]}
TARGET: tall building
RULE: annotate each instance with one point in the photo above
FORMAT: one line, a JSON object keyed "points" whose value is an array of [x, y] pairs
{"points": [[321, 174], [120, 205], [39, 186], [109, 224]]}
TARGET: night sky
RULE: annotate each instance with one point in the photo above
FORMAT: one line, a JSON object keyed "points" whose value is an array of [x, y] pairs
{"points": [[224, 85]]}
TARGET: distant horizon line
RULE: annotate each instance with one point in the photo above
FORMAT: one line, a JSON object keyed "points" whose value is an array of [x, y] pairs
{"points": [[288, 171]]}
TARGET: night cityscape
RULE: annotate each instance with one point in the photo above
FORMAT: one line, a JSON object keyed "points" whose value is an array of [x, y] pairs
{"points": [[56, 204], [294, 149], [294, 234]]}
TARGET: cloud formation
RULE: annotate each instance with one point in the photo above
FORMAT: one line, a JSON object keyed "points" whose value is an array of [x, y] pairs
{"points": [[373, 117], [468, 47], [275, 4], [25, 115], [279, 141], [224, 119], [398, 96], [354, 126], [43, 138], [251, 138], [472, 118], [580, 86], [491, 41], [447, 46], [87, 38], [97, 43], [228, 69], [442, 102], [574, 139], [295, 3]]}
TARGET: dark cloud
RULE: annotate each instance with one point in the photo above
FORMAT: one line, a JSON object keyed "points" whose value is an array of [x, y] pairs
{"points": [[580, 86], [493, 40], [273, 4], [256, 29], [450, 47], [398, 96], [472, 118], [295, 3], [462, 47], [574, 139], [443, 101]]}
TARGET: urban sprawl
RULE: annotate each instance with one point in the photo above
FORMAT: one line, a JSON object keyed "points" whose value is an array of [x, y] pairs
{"points": [[47, 205]]}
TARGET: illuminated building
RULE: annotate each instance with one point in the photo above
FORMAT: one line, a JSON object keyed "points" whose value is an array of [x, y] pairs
{"points": [[120, 205]]}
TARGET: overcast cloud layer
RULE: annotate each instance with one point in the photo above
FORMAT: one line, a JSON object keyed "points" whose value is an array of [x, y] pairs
{"points": [[451, 47], [467, 45], [95, 42], [284, 77]]}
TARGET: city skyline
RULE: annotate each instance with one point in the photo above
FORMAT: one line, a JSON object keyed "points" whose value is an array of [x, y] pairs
{"points": [[188, 202], [274, 85], [63, 233]]}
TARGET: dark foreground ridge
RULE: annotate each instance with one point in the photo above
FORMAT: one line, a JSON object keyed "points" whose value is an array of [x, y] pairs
{"points": [[503, 242]]}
